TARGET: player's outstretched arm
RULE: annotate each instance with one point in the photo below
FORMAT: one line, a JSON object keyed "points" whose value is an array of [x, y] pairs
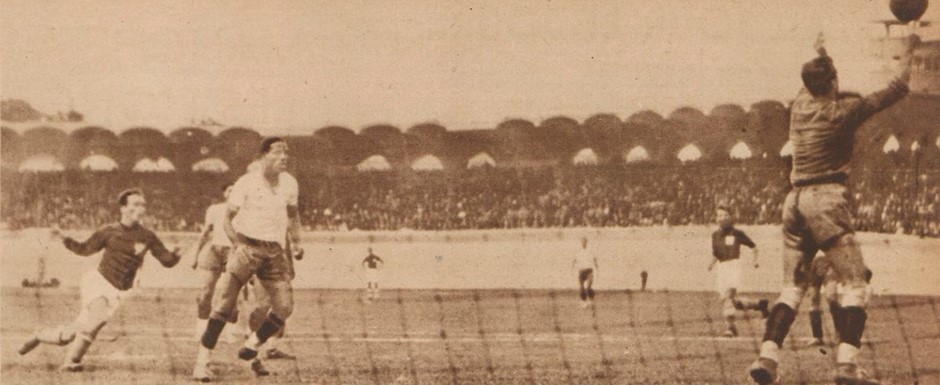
{"points": [[754, 254], [93, 244], [859, 110], [166, 257], [711, 265], [820, 45], [293, 231]]}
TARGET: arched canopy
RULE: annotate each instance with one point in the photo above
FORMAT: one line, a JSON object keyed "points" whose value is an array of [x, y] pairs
{"points": [[786, 150], [41, 163], [427, 163], [741, 151], [891, 145], [481, 160], [211, 165], [44, 140], [637, 154], [374, 163], [690, 153], [160, 164], [585, 157], [98, 162], [9, 145]]}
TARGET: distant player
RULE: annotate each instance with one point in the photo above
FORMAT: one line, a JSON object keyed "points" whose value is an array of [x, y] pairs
{"points": [[726, 253], [125, 244], [372, 263], [824, 286], [261, 216], [585, 264], [817, 213], [210, 261]]}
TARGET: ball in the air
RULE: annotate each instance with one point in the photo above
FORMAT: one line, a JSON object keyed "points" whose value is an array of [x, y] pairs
{"points": [[908, 10]]}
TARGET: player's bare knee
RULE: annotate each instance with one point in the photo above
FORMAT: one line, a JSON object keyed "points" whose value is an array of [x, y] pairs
{"points": [[855, 295], [792, 296], [283, 311]]}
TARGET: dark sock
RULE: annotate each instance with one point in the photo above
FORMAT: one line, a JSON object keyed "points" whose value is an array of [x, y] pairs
{"points": [[778, 323], [815, 321], [835, 310], [590, 293], [211, 336], [853, 325], [583, 294], [78, 348], [270, 326]]}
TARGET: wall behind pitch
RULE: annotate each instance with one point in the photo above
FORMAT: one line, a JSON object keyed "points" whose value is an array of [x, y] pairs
{"points": [[675, 258]]}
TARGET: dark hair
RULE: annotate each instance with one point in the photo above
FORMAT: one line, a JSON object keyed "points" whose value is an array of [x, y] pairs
{"points": [[268, 142], [818, 74], [124, 195]]}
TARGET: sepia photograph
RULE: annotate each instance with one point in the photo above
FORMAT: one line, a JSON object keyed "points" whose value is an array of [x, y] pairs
{"points": [[415, 192]]}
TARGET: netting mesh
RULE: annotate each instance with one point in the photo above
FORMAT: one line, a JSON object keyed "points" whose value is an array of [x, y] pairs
{"points": [[473, 337]]}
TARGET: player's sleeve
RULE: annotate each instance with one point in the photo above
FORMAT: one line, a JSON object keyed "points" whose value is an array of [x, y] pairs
{"points": [[166, 257], [97, 241], [239, 194], [210, 216], [856, 111], [746, 240], [293, 191]]}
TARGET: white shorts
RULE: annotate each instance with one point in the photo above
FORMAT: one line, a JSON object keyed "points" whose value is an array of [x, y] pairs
{"points": [[94, 286], [372, 275], [729, 275]]}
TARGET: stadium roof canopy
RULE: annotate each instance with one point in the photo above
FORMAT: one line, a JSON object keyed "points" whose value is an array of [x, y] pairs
{"points": [[786, 150], [891, 145], [427, 163], [741, 151], [160, 164], [690, 153], [585, 157], [374, 163], [98, 162], [637, 154], [41, 163], [212, 165], [481, 160]]}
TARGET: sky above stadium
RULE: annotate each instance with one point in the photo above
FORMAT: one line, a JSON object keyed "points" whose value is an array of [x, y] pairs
{"points": [[292, 67]]}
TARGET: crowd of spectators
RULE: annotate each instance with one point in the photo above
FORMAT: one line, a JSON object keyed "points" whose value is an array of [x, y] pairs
{"points": [[491, 198]]}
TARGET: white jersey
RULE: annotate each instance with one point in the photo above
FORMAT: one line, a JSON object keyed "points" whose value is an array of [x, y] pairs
{"points": [[215, 217], [584, 259], [262, 210]]}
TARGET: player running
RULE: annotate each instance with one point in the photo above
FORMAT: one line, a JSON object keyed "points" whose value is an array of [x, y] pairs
{"points": [[261, 216], [125, 244], [372, 263], [210, 261], [585, 263], [817, 213], [726, 253]]}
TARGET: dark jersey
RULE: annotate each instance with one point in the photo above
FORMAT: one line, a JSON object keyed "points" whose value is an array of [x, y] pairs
{"points": [[822, 130], [726, 244], [124, 250], [372, 261]]}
